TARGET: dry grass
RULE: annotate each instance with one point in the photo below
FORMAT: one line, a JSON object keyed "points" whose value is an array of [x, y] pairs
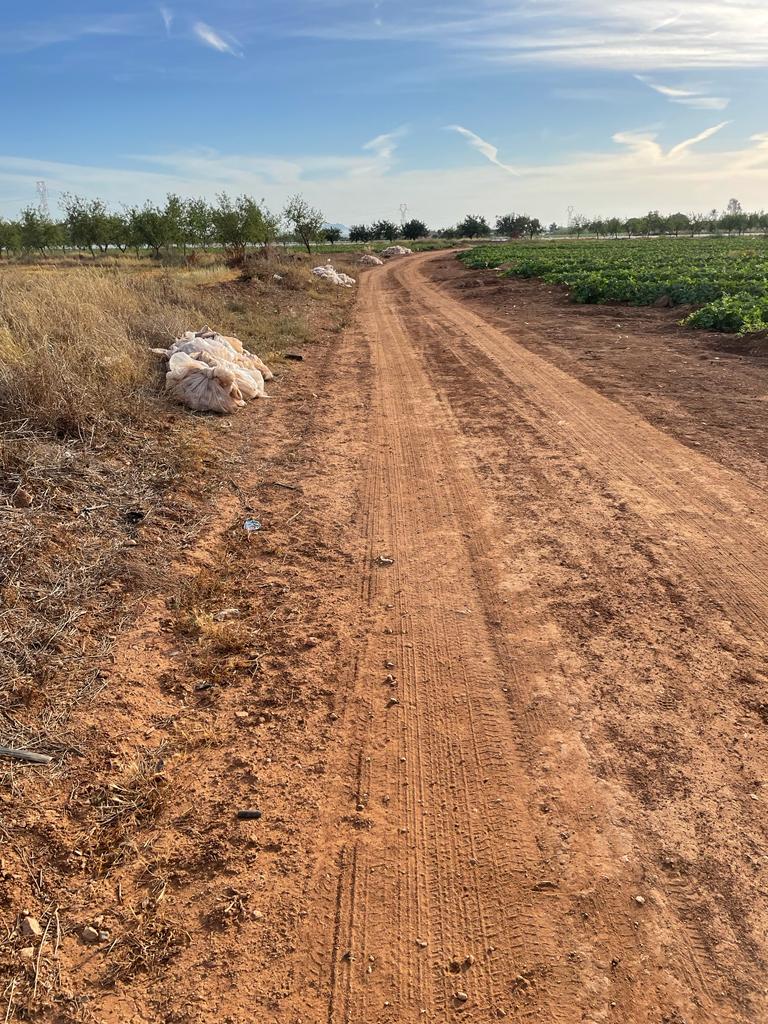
{"points": [[74, 347]]}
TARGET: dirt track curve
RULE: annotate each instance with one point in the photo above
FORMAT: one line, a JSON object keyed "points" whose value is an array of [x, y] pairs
{"points": [[548, 794]]}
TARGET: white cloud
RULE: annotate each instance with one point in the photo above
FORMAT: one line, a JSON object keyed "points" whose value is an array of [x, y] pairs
{"points": [[616, 34], [697, 97], [633, 175], [490, 152], [644, 144], [215, 40], [167, 15], [38, 35]]}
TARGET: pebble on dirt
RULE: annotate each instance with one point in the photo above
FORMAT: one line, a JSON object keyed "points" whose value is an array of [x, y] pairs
{"points": [[31, 928], [90, 935], [249, 815]]}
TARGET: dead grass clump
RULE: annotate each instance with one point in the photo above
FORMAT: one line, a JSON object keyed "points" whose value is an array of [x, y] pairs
{"points": [[125, 810], [74, 346], [145, 951]]}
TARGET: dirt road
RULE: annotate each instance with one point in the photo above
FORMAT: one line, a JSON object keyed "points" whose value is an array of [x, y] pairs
{"points": [[494, 670], [550, 801]]}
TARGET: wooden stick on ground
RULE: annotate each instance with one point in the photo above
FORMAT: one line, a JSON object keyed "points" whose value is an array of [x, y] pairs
{"points": [[25, 755]]}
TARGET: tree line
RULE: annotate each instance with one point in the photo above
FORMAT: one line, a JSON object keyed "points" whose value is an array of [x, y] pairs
{"points": [[236, 223], [231, 223]]}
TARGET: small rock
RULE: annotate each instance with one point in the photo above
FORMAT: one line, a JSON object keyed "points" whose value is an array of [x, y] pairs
{"points": [[640, 900], [90, 935], [333, 716], [461, 997], [361, 807], [297, 357], [22, 498], [242, 714], [103, 935], [98, 921], [468, 961], [392, 702], [390, 679], [421, 943], [227, 613], [31, 928], [312, 641], [389, 664], [27, 953], [130, 543]]}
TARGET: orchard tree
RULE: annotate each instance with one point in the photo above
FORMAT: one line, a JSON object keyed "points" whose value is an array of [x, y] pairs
{"points": [[677, 222], [386, 229], [579, 224], [331, 234], [37, 231], [199, 228], [241, 222], [473, 226], [512, 225], [360, 233], [87, 222], [306, 222], [413, 229], [10, 236], [148, 228]]}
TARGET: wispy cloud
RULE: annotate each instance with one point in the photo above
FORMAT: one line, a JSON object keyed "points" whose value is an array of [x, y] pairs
{"points": [[698, 97], [634, 174], [489, 151], [616, 34], [38, 35], [167, 15], [382, 149], [645, 145], [217, 41]]}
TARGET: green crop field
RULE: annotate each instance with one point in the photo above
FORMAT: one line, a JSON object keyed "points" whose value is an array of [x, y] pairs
{"points": [[725, 279]]}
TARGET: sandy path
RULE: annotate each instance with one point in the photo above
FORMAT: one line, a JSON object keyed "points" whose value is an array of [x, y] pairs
{"points": [[541, 812]]}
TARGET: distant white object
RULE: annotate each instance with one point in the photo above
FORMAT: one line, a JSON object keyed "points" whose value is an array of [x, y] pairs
{"points": [[328, 273], [368, 260], [396, 250]]}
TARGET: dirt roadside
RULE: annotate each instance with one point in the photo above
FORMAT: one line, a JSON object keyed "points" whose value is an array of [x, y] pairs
{"points": [[498, 684]]}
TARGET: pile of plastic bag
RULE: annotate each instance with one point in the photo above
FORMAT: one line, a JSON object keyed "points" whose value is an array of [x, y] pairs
{"points": [[368, 260], [210, 372], [328, 273], [396, 250]]}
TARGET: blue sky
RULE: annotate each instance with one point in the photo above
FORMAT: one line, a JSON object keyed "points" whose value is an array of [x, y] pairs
{"points": [[449, 107]]}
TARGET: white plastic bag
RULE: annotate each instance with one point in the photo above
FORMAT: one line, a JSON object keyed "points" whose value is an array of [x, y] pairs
{"points": [[249, 380], [201, 387]]}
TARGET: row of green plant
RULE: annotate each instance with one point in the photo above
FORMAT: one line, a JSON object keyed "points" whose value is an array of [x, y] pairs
{"points": [[726, 279], [231, 223]]}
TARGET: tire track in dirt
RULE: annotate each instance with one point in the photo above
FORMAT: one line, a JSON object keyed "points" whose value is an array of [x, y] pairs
{"points": [[448, 868], [711, 517]]}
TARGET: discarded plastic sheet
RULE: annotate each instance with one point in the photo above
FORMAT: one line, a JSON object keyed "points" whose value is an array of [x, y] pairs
{"points": [[252, 525]]}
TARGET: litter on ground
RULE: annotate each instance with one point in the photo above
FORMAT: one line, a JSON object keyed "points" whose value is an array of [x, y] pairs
{"points": [[210, 372], [329, 273], [369, 260], [396, 250]]}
